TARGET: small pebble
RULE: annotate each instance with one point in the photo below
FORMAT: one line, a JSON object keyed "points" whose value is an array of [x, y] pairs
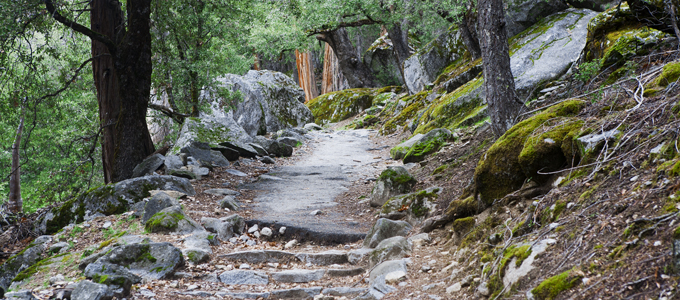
{"points": [[106, 225], [282, 230], [251, 243], [253, 228], [244, 266]]}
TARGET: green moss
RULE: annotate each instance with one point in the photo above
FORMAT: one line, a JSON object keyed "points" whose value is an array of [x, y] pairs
{"points": [[462, 226], [440, 169], [462, 208], [414, 104], [499, 172], [397, 176], [628, 42], [550, 147], [462, 107], [426, 147], [553, 286], [340, 105], [162, 221], [416, 203], [37, 267]]}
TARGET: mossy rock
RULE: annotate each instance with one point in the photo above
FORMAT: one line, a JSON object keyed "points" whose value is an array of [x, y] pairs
{"points": [[410, 107], [626, 43], [611, 20], [669, 74], [463, 107], [462, 208], [413, 207], [463, 225], [392, 181], [545, 149], [499, 172], [550, 288], [430, 143], [341, 105], [110, 199], [27, 257], [171, 220]]}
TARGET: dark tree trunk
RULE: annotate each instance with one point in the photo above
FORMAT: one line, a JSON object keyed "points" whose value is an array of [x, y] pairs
{"points": [[133, 65], [122, 73], [468, 32], [399, 39], [15, 203], [123, 80], [499, 85], [351, 66]]}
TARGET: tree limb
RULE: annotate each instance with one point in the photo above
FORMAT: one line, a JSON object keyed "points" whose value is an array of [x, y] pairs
{"points": [[79, 28], [357, 23], [178, 117]]}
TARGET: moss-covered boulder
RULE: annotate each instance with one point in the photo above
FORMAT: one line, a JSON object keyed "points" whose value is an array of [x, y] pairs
{"points": [[625, 43], [405, 111], [539, 54], [500, 172], [412, 207], [550, 147], [430, 143], [172, 220], [341, 105], [210, 129], [393, 181], [400, 150], [465, 106], [110, 199], [22, 261], [132, 263]]}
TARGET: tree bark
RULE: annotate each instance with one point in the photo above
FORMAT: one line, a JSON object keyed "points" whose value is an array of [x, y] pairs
{"points": [[499, 84], [468, 32], [123, 80], [15, 203], [332, 79], [351, 66], [306, 75]]}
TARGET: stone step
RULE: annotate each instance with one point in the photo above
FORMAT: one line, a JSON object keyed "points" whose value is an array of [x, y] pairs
{"points": [[251, 277], [327, 258], [294, 293]]}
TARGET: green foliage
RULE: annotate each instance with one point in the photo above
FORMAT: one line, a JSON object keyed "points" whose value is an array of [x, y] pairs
{"points": [[587, 71]]}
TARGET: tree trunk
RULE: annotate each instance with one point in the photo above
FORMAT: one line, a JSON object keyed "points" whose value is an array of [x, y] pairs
{"points": [[306, 75], [499, 85], [105, 18], [332, 79], [468, 33], [15, 203], [351, 66], [123, 82]]}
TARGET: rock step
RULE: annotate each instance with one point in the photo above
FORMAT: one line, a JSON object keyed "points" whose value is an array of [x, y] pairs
{"points": [[295, 293], [332, 257], [249, 277]]}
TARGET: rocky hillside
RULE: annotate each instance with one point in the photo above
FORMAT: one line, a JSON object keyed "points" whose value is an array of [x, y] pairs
{"points": [[404, 193]]}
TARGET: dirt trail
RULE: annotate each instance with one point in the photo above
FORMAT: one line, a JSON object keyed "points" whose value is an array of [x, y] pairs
{"points": [[302, 196]]}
